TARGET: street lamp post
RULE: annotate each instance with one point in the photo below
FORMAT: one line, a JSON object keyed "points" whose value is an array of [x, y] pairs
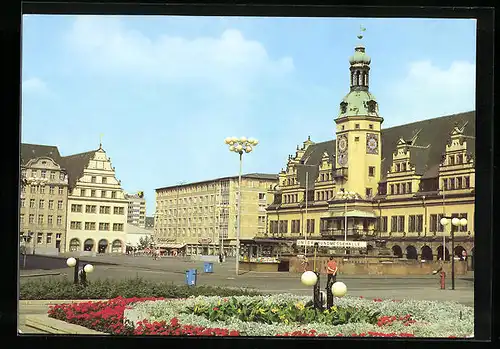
{"points": [[346, 196], [240, 145], [456, 222], [80, 274]]}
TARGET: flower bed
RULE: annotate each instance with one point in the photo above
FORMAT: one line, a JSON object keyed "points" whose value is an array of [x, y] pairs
{"points": [[266, 315]]}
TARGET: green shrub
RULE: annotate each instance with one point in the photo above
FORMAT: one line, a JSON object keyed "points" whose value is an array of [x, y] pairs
{"points": [[263, 311], [108, 288]]}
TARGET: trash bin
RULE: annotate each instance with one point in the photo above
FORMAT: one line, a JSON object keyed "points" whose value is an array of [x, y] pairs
{"points": [[208, 267], [191, 277]]}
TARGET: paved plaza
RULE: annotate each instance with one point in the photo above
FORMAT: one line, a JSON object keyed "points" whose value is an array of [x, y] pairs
{"points": [[169, 269]]}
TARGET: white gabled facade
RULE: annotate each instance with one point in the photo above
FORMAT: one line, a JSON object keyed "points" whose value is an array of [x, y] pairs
{"points": [[97, 209]]}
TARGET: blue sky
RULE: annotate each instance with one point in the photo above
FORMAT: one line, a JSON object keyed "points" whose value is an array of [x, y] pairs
{"points": [[166, 91]]}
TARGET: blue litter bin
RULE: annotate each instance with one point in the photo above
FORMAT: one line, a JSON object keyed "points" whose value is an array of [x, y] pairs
{"points": [[191, 277], [208, 267]]}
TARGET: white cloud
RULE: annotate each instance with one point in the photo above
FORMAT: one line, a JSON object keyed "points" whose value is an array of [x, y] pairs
{"points": [[429, 91], [35, 86], [230, 61]]}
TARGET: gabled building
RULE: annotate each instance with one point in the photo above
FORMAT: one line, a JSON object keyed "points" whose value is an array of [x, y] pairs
{"points": [[43, 199], [400, 180], [97, 207]]}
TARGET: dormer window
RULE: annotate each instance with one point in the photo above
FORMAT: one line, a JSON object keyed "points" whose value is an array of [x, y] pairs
{"points": [[403, 167], [356, 126], [459, 159], [452, 160], [392, 189], [397, 167]]}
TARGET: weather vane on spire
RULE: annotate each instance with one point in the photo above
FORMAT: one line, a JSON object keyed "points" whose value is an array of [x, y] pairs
{"points": [[100, 140], [361, 29]]}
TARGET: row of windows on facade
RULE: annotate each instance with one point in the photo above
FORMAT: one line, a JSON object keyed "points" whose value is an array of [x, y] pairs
{"points": [[41, 219], [93, 209], [222, 185], [41, 204], [199, 200], [93, 193], [192, 232], [41, 174], [40, 189], [415, 224], [282, 226], [103, 180], [201, 220], [456, 159], [448, 184], [48, 236], [201, 211], [75, 225]]}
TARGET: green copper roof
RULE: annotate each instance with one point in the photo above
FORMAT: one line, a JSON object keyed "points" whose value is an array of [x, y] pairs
{"points": [[357, 103], [360, 56]]}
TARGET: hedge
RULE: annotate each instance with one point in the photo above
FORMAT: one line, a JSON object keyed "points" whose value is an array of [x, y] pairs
{"points": [[57, 288]]}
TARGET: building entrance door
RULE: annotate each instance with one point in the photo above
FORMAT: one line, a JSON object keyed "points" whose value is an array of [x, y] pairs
{"points": [[58, 245]]}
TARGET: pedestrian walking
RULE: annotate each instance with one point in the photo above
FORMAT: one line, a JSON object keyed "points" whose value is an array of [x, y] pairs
{"points": [[331, 270]]}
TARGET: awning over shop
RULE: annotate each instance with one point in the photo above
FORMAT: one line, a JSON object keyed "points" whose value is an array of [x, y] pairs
{"points": [[355, 214], [174, 246]]}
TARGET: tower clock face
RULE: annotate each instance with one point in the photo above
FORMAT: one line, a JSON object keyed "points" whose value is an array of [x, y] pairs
{"points": [[371, 143], [342, 159], [342, 144]]}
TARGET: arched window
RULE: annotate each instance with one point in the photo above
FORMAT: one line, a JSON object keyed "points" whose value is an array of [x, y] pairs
{"points": [[74, 245], [117, 246], [88, 245]]}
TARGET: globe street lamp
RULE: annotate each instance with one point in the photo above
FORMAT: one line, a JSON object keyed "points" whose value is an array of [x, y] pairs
{"points": [[240, 145], [80, 274], [346, 196], [457, 222]]}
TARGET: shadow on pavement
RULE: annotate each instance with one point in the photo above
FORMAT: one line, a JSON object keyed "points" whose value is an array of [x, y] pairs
{"points": [[37, 262]]}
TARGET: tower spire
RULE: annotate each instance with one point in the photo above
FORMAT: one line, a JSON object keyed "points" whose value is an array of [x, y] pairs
{"points": [[360, 65], [100, 141]]}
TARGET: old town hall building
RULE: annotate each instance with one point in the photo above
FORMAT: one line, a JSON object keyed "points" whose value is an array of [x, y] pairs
{"points": [[399, 181]]}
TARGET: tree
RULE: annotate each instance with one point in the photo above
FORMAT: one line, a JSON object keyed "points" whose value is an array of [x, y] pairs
{"points": [[145, 242]]}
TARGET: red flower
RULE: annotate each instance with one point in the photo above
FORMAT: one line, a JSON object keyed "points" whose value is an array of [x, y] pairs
{"points": [[215, 309]]}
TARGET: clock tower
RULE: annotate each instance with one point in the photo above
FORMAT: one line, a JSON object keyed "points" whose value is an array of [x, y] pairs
{"points": [[358, 130]]}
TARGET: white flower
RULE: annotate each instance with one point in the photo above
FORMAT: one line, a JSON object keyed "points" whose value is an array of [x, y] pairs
{"points": [[434, 319]]}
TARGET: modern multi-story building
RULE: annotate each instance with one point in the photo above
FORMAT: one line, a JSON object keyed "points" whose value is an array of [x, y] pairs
{"points": [[44, 193], [97, 207], [201, 217], [150, 222], [397, 182], [136, 213]]}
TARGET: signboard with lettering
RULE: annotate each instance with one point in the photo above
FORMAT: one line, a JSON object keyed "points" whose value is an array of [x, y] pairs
{"points": [[205, 240], [332, 244]]}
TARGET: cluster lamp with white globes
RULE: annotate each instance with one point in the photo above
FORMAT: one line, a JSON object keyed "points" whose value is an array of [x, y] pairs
{"points": [[240, 145], [455, 222], [71, 262], [309, 278], [89, 268], [339, 289]]}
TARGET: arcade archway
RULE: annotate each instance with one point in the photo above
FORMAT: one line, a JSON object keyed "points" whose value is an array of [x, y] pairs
{"points": [[397, 251], [426, 253], [411, 252], [103, 246], [439, 253], [88, 245]]}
